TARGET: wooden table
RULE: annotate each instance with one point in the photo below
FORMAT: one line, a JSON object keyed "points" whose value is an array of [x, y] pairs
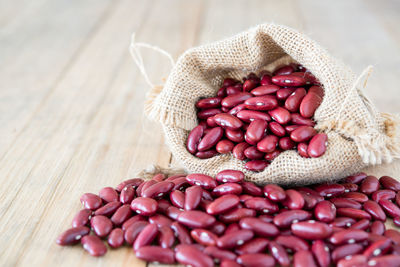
{"points": [[71, 97]]}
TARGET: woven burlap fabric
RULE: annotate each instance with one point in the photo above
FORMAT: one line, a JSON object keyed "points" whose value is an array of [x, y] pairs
{"points": [[358, 134]]}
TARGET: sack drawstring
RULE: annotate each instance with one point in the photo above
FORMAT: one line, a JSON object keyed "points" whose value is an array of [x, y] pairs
{"points": [[137, 57]]}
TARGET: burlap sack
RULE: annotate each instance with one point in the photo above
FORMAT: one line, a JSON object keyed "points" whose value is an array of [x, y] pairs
{"points": [[359, 135]]}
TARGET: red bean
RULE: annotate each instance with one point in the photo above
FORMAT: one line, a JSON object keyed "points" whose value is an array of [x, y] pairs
{"points": [[388, 182], [285, 143], [81, 218], [228, 121], [268, 144], [223, 204], [204, 237], [108, 194], [224, 146], [205, 181], [236, 214], [116, 238], [101, 225], [156, 254], [230, 176], [227, 188], [285, 70], [286, 218], [144, 206], [292, 103], [377, 227], [195, 219], [302, 150], [280, 115], [256, 165], [211, 102], [300, 120], [346, 250], [377, 248], [356, 196], [256, 245], [353, 261], [369, 185], [259, 227], [234, 100], [375, 210], [343, 222], [387, 260], [393, 235], [251, 189], [288, 80], [321, 253], [190, 255], [349, 236], [353, 213], [141, 188], [131, 221], [210, 139], [348, 187], [206, 113], [72, 236], [160, 220], [345, 203], [266, 79], [251, 115], [166, 237], [383, 194], [250, 84], [390, 208], [294, 200], [256, 260], [302, 134], [317, 145], [127, 194], [329, 190], [277, 129], [303, 258], [256, 131], [265, 90], [178, 198], [192, 197], [146, 236], [361, 225], [94, 245], [292, 242], [284, 93], [194, 138], [309, 104], [135, 182], [271, 156], [311, 230], [325, 211], [122, 214], [266, 102], [261, 204], [238, 150], [181, 232], [219, 254], [91, 201], [133, 231]]}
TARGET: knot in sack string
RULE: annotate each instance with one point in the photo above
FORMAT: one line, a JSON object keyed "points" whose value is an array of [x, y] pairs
{"points": [[137, 57]]}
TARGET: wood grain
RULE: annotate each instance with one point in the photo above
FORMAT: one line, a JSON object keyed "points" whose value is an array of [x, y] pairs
{"points": [[71, 98]]}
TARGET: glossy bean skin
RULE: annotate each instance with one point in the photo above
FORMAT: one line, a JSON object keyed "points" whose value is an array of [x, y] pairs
{"points": [[116, 238], [255, 260], [292, 103], [325, 211], [91, 201], [377, 227], [256, 245], [204, 237], [256, 131], [286, 218], [228, 121], [122, 214], [268, 144], [279, 253], [236, 214], [230, 176], [294, 200], [317, 145], [292, 242], [181, 233], [205, 181], [209, 112], [146, 236], [72, 236], [192, 197], [223, 204], [356, 196], [280, 115], [135, 182], [369, 185], [256, 165], [285, 143], [266, 102], [346, 250], [93, 245], [309, 104], [219, 254], [131, 221], [195, 219], [353, 261], [302, 134], [284, 93], [211, 102], [193, 139], [321, 253], [387, 260], [311, 230], [190, 255], [133, 231], [303, 258], [101, 225], [234, 100], [156, 254], [234, 239], [227, 188], [144, 206], [238, 150], [210, 139], [262, 205], [375, 210], [277, 129], [329, 190], [297, 119], [259, 227], [224, 146], [251, 115], [265, 90], [353, 213], [390, 183], [166, 237], [81, 218], [348, 236], [390, 208], [127, 194], [288, 80], [206, 154], [108, 194], [383, 194], [345, 203]]}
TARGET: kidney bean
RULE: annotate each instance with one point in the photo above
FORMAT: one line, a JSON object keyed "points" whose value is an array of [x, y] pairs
{"points": [[211, 102], [101, 225], [219, 254], [251, 115], [227, 188], [131, 221], [291, 128], [292, 103], [276, 129], [234, 100], [279, 253], [317, 145], [377, 227], [353, 213], [302, 150], [133, 231], [206, 195], [294, 200], [292, 242], [122, 214], [236, 214], [181, 233], [210, 139], [135, 182], [265, 90], [116, 238], [349, 236], [377, 248], [233, 227], [223, 204], [309, 104], [256, 260], [285, 143], [309, 201], [251, 189], [286, 218], [288, 80], [285, 70], [283, 93], [321, 253], [224, 146], [156, 254], [72, 236], [383, 194], [388, 182], [302, 134], [353, 261], [250, 84], [297, 119], [303, 258], [259, 227], [230, 176], [144, 186], [375, 210], [266, 79], [205, 181], [356, 196], [271, 156], [343, 222], [160, 220], [127, 195], [390, 208], [81, 218], [158, 177], [235, 110], [356, 178], [346, 250], [256, 245], [397, 199], [369, 185], [325, 211], [348, 187], [238, 150], [253, 153], [195, 219], [178, 198], [192, 197], [393, 235], [227, 121], [166, 237], [266, 102], [345, 203], [229, 82], [329, 190], [191, 255], [108, 194], [94, 245], [311, 230], [91, 201], [204, 237], [221, 92], [209, 112], [361, 225], [268, 144], [144, 206], [256, 165], [280, 115], [194, 138], [146, 236], [256, 131], [387, 260], [261, 204], [274, 192]]}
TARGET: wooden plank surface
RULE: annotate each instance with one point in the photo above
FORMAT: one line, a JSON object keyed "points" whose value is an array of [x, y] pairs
{"points": [[71, 98]]}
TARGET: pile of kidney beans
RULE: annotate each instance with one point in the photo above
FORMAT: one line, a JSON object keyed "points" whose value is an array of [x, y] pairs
{"points": [[199, 220], [258, 119]]}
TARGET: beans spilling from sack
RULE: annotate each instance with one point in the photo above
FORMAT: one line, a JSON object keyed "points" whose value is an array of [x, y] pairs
{"points": [[199, 220], [258, 119]]}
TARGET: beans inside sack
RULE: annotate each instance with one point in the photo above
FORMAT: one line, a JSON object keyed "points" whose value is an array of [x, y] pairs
{"points": [[260, 117], [198, 220]]}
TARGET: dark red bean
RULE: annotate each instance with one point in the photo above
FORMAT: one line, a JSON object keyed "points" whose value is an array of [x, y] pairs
{"points": [[228, 121], [285, 70], [353, 261], [250, 84], [349, 236], [251, 115], [190, 255], [288, 80], [280, 115], [321, 253], [294, 200], [72, 236], [353, 213], [302, 134], [274, 192], [192, 197], [218, 228], [309, 104], [266, 79], [91, 201], [317, 145], [299, 120], [238, 150], [206, 113], [253, 153], [211, 102], [193, 139], [160, 220], [375, 210], [284, 93], [135, 182], [219, 254], [256, 131], [356, 196], [210, 139], [166, 237], [387, 260], [127, 194], [286, 218], [268, 144], [285, 143], [156, 254], [256, 245], [256, 165], [329, 190], [223, 204], [302, 150], [325, 211], [204, 237], [227, 188], [292, 103], [369, 185], [303, 258], [229, 82], [356, 178], [234, 100], [237, 109], [346, 250], [116, 238], [377, 248], [265, 90], [350, 187], [251, 189], [345, 203], [361, 225], [236, 214], [224, 146], [131, 221], [383, 194], [377, 227], [271, 156], [230, 176], [141, 188], [266, 102], [206, 154], [311, 230], [122, 214], [195, 219], [256, 260], [181, 233], [101, 225], [343, 222], [205, 181], [108, 194], [279, 253], [292, 242], [259, 227], [390, 208], [261, 204], [178, 198], [277, 129], [146, 236], [133, 231], [81, 218], [144, 206], [94, 245], [388, 182]]}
